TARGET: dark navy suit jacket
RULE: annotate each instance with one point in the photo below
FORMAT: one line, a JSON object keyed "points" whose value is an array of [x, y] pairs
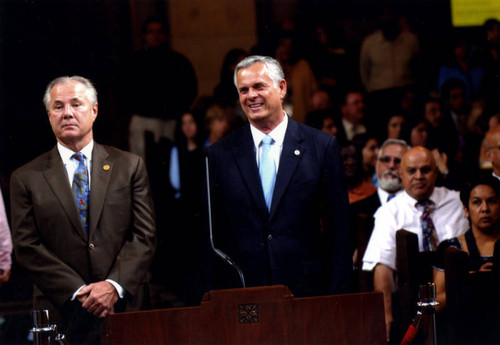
{"points": [[303, 242]]}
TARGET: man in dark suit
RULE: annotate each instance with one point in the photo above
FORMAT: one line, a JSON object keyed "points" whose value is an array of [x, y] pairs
{"points": [[88, 255], [296, 232]]}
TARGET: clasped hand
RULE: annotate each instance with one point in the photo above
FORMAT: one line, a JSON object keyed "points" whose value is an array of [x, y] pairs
{"points": [[98, 298]]}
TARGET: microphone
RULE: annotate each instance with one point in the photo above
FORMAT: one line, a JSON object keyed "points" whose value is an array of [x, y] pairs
{"points": [[219, 252]]}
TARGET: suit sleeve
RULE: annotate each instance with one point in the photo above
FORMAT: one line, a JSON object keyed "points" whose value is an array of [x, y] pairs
{"points": [[135, 256], [55, 278], [335, 220]]}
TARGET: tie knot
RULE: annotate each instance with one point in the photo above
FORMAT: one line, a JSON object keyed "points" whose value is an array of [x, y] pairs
{"points": [[425, 203], [267, 140], [80, 157]]}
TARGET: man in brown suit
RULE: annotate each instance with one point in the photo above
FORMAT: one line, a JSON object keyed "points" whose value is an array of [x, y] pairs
{"points": [[85, 262]]}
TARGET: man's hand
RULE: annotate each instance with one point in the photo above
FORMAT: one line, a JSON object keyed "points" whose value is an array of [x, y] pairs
{"points": [[98, 298], [4, 276]]}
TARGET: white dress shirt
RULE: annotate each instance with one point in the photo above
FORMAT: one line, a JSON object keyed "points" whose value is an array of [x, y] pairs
{"points": [[402, 213], [351, 129], [383, 195], [72, 164], [278, 135]]}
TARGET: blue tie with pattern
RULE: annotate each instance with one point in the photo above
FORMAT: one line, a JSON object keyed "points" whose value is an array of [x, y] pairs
{"points": [[428, 229], [81, 189], [267, 170]]}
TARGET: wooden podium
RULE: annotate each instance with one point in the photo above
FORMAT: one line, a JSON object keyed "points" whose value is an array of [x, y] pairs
{"points": [[262, 315]]}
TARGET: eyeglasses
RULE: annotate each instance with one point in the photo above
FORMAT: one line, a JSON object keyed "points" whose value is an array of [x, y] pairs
{"points": [[388, 159]]}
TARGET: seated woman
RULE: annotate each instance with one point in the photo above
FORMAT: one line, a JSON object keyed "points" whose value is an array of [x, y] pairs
{"points": [[481, 201]]}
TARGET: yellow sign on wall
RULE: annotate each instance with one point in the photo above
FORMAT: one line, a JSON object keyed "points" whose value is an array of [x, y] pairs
{"points": [[474, 12]]}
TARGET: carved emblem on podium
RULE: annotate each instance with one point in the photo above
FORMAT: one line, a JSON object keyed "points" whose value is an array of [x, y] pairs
{"points": [[249, 313]]}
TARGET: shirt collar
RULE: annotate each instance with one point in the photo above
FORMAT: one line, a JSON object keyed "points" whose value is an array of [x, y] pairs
{"points": [[66, 153], [433, 198], [278, 133]]}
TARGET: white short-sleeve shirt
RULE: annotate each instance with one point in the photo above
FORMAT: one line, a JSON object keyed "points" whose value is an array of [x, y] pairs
{"points": [[402, 213]]}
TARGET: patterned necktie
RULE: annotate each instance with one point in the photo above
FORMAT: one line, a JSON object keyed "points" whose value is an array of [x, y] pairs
{"points": [[81, 189], [267, 170], [428, 229]]}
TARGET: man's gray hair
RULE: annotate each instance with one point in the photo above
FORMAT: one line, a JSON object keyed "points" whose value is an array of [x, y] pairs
{"points": [[91, 91], [388, 142], [273, 66]]}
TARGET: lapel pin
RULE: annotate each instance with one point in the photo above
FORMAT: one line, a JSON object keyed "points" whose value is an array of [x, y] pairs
{"points": [[106, 167], [296, 152]]}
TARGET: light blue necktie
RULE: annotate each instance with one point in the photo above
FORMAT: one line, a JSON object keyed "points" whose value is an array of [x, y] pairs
{"points": [[81, 189], [267, 170]]}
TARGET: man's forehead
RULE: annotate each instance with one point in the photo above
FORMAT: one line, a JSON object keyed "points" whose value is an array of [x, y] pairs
{"points": [[258, 69], [417, 159], [72, 88], [394, 150]]}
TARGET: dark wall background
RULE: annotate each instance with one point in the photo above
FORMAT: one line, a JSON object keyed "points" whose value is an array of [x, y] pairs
{"points": [[40, 40]]}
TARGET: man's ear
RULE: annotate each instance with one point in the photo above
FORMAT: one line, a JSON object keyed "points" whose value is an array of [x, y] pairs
{"points": [[95, 109], [283, 88]]}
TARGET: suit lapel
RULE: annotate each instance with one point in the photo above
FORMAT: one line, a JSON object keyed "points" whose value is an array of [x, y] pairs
{"points": [[244, 154], [100, 176], [57, 178], [293, 149]]}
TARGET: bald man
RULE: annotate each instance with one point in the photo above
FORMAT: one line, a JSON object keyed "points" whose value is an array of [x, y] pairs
{"points": [[418, 174]]}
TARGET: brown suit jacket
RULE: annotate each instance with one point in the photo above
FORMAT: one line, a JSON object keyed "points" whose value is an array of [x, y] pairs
{"points": [[51, 243]]}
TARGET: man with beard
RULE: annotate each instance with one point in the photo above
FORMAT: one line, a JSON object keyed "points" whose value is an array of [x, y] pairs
{"points": [[387, 168], [361, 212]]}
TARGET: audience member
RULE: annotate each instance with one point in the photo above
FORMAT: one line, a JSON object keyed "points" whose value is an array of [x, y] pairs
{"points": [[219, 122], [388, 174], [489, 59], [481, 202], [492, 145], [389, 185], [461, 112], [87, 248], [329, 55], [387, 66], [324, 120], [5, 244], [158, 85], [300, 79], [411, 210], [460, 67], [414, 131], [321, 100], [178, 190], [352, 111], [367, 144], [394, 124], [225, 93], [358, 188]]}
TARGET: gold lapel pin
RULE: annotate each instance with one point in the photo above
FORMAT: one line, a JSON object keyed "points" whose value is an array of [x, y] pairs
{"points": [[296, 152], [106, 167]]}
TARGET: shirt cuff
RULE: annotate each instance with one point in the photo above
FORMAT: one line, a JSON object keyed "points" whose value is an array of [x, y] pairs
{"points": [[76, 292], [119, 289]]}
